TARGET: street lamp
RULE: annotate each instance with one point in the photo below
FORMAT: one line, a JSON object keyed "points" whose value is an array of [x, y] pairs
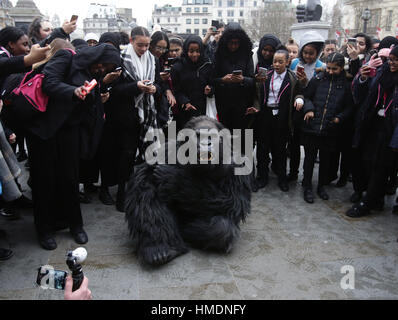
{"points": [[366, 15]]}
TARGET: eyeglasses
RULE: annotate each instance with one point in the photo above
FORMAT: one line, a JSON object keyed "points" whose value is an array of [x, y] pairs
{"points": [[161, 49]]}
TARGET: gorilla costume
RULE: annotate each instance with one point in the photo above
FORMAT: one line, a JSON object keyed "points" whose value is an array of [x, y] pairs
{"points": [[171, 206]]}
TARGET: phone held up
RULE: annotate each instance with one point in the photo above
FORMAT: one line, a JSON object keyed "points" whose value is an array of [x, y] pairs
{"points": [[237, 72], [74, 18]]}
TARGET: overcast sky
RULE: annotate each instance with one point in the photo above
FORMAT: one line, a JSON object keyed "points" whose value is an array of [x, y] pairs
{"points": [[142, 9]]}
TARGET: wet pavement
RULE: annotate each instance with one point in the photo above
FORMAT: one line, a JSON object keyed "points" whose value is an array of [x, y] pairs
{"points": [[288, 250]]}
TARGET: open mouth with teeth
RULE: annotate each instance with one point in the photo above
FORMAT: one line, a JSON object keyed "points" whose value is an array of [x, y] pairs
{"points": [[206, 156]]}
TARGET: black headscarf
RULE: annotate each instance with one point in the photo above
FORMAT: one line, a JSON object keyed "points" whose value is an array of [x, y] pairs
{"points": [[187, 42], [79, 44], [111, 37], [102, 53], [389, 80], [267, 40], [234, 31], [387, 42]]}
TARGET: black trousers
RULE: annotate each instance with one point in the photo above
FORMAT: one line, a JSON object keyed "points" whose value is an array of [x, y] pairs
{"points": [[271, 138], [295, 151], [55, 180], [118, 150], [313, 144]]}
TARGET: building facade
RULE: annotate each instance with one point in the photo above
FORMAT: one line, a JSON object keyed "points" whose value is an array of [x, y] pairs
{"points": [[168, 17], [384, 15], [24, 12], [5, 18], [103, 18], [196, 16]]}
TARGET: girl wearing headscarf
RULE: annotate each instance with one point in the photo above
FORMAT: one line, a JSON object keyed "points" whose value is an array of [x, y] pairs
{"points": [[377, 131], [68, 131], [234, 89], [192, 80]]}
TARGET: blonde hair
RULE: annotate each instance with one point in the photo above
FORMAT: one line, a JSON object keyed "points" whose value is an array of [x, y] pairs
{"points": [[292, 42], [55, 45]]}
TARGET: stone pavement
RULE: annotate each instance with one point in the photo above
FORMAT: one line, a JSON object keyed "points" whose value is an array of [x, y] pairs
{"points": [[288, 250]]}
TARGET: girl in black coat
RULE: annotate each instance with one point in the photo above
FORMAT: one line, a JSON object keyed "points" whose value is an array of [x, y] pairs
{"points": [[192, 80], [67, 131], [328, 101], [377, 132], [234, 92]]}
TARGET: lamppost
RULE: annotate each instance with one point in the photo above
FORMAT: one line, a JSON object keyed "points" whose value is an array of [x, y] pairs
{"points": [[366, 15]]}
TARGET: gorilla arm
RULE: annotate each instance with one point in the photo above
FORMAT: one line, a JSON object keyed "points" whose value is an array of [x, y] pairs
{"points": [[150, 221]]}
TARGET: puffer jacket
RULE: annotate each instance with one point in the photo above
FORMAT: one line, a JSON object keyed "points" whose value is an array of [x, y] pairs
{"points": [[329, 97]]}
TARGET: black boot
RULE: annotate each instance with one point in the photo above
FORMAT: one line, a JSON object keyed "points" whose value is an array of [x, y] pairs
{"points": [[358, 210], [106, 197], [322, 193], [356, 197], [308, 195]]}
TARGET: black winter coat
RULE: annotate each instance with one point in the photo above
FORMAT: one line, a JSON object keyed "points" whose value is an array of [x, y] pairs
{"points": [[329, 98], [189, 82]]}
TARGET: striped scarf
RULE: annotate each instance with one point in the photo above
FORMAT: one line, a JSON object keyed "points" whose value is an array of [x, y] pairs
{"points": [[138, 69]]}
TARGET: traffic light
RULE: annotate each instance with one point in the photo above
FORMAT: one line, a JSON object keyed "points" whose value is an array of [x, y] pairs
{"points": [[301, 13]]}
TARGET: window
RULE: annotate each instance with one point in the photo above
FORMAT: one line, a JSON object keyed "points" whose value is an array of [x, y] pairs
{"points": [[189, 10], [231, 3], [241, 13], [197, 9], [220, 3], [255, 4], [389, 20], [242, 3], [158, 19], [188, 30], [204, 21], [188, 21], [219, 13], [196, 32], [204, 31], [168, 20], [205, 10], [196, 21], [230, 13]]}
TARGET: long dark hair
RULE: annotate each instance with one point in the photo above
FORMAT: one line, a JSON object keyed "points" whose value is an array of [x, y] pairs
{"points": [[34, 30], [230, 33], [158, 36], [10, 34], [368, 41]]}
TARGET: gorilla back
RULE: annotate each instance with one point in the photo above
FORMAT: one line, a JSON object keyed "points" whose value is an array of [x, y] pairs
{"points": [[169, 207]]}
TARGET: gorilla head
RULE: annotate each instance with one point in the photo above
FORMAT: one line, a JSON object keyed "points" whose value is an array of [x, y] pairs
{"points": [[212, 145]]}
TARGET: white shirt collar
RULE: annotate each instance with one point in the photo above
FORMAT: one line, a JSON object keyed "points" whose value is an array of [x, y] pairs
{"points": [[281, 76]]}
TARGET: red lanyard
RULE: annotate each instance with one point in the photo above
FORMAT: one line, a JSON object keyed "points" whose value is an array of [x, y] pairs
{"points": [[384, 104], [278, 99]]}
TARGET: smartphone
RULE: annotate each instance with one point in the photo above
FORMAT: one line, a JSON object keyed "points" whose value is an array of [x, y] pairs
{"points": [[300, 69], [171, 61], [237, 72], [215, 24], [262, 71], [149, 83], [52, 279], [373, 72], [117, 69], [74, 18], [168, 70], [353, 42]]}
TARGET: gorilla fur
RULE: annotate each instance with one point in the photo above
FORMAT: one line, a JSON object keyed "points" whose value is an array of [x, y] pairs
{"points": [[169, 207]]}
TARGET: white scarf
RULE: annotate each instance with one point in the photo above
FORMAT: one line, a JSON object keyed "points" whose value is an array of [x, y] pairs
{"points": [[139, 69]]}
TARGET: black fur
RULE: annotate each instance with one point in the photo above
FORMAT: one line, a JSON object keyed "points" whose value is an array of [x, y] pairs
{"points": [[170, 206]]}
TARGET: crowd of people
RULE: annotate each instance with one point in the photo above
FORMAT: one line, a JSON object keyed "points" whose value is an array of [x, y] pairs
{"points": [[340, 104]]}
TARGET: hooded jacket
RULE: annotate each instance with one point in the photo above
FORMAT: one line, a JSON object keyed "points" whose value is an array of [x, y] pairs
{"points": [[190, 79], [63, 74], [311, 37], [329, 97], [233, 99]]}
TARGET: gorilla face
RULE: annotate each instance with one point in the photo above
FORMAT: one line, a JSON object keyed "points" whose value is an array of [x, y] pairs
{"points": [[211, 145]]}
